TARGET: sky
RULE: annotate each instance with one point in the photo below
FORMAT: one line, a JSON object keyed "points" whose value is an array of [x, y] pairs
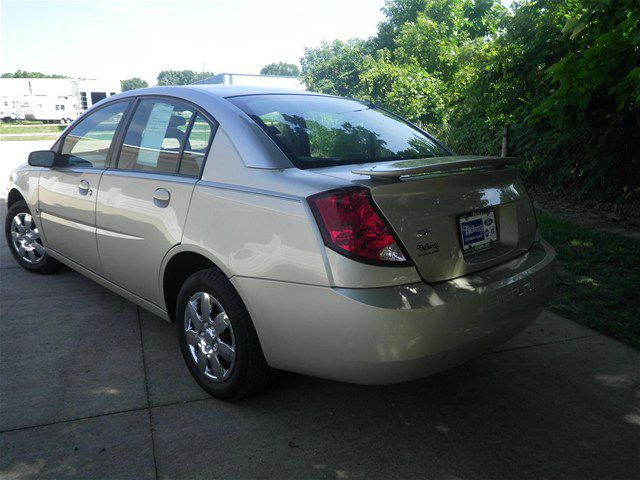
{"points": [[124, 39]]}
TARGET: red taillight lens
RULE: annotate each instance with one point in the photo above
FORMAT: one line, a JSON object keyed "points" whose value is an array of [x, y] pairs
{"points": [[351, 225]]}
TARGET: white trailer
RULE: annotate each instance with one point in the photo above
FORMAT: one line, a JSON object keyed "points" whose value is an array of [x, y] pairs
{"points": [[51, 99]]}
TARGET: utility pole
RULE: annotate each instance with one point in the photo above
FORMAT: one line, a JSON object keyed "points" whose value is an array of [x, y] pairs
{"points": [[505, 141]]}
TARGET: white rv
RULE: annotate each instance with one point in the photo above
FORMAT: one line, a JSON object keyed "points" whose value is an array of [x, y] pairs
{"points": [[51, 99]]}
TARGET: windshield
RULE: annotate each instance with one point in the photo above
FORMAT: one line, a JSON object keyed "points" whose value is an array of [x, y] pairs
{"points": [[317, 131]]}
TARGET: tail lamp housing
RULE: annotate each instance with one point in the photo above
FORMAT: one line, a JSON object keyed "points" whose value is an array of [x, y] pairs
{"points": [[352, 225]]}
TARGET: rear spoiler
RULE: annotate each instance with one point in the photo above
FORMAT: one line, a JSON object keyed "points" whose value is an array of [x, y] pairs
{"points": [[403, 168]]}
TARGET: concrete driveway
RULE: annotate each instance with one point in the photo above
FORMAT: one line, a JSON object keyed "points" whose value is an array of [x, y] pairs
{"points": [[93, 387]]}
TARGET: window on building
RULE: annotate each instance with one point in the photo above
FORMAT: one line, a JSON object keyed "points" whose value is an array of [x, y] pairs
{"points": [[87, 145], [97, 96], [83, 100], [112, 94], [155, 136]]}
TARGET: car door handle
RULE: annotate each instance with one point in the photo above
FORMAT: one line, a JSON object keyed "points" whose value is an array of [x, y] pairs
{"points": [[161, 197], [83, 187]]}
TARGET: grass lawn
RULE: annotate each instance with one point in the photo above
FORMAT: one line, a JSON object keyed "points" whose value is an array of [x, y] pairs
{"points": [[598, 278], [25, 122], [53, 128], [51, 137]]}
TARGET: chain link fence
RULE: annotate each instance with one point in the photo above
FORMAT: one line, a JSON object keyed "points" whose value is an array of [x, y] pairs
{"points": [[595, 168]]}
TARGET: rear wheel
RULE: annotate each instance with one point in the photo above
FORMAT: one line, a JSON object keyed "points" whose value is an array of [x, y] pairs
{"points": [[25, 242], [217, 338]]}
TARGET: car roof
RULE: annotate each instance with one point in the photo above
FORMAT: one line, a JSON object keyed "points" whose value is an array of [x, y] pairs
{"points": [[226, 91]]}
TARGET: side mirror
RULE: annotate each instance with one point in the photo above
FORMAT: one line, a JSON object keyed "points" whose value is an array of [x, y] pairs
{"points": [[42, 158]]}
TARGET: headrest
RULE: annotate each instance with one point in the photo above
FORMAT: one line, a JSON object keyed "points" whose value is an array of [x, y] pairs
{"points": [[176, 121]]}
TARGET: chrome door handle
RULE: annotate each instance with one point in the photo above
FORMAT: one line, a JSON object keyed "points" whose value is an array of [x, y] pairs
{"points": [[161, 197], [83, 186]]}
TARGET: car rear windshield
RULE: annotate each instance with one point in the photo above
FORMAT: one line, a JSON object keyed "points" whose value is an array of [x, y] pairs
{"points": [[318, 131]]}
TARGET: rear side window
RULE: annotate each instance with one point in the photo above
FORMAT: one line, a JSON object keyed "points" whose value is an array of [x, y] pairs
{"points": [[87, 145], [196, 147], [156, 136]]}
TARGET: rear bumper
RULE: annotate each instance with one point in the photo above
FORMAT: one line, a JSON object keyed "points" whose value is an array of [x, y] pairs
{"points": [[400, 333]]}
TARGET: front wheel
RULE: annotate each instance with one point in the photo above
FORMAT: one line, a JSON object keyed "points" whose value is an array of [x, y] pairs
{"points": [[217, 338], [25, 242]]}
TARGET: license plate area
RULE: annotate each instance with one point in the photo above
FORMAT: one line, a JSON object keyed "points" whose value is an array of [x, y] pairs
{"points": [[478, 230]]}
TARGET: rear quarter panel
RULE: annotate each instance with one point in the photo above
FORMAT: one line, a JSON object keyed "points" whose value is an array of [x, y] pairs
{"points": [[255, 235]]}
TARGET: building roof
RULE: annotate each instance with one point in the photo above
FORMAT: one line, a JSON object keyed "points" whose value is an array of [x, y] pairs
{"points": [[225, 91], [221, 75]]}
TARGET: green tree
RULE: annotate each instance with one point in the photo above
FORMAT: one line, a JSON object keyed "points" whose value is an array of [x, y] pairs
{"points": [[132, 84], [509, 72], [280, 68], [476, 18], [598, 80], [420, 62], [25, 74], [181, 77], [406, 89], [335, 67]]}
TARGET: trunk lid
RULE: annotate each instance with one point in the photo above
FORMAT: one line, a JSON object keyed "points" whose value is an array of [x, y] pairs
{"points": [[423, 201]]}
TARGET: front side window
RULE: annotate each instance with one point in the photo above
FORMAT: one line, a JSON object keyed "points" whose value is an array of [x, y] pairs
{"points": [[317, 131], [155, 136], [87, 145]]}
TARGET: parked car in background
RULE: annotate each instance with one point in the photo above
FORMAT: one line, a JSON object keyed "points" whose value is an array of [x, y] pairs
{"points": [[286, 230]]}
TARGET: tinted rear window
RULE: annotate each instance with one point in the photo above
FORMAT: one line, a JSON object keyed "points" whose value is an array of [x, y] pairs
{"points": [[316, 131]]}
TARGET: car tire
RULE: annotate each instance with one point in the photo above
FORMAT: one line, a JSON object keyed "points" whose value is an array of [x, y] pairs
{"points": [[217, 338], [24, 241]]}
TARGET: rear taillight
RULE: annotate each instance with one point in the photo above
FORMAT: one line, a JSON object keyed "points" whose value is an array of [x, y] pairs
{"points": [[352, 226]]}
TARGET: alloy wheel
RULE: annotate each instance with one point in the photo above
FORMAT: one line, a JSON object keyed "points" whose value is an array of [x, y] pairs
{"points": [[25, 238], [209, 337]]}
